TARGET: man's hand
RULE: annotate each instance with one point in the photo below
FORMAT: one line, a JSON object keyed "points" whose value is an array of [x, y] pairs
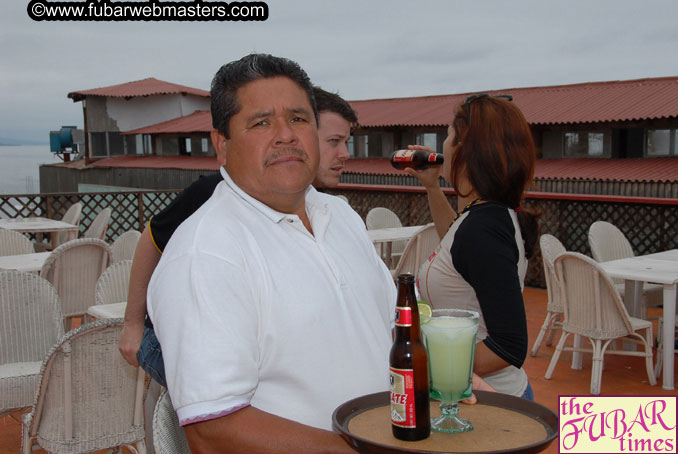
{"points": [[130, 342], [478, 384]]}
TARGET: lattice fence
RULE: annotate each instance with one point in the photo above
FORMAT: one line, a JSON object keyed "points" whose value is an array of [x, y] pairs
{"points": [[650, 226]]}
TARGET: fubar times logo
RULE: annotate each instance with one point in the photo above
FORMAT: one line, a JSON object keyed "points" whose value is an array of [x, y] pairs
{"points": [[617, 424]]}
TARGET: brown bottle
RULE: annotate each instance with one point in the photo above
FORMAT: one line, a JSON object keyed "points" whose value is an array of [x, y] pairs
{"points": [[410, 412], [417, 159]]}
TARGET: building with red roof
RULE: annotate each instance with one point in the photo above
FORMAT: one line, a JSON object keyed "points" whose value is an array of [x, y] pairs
{"points": [[617, 137]]}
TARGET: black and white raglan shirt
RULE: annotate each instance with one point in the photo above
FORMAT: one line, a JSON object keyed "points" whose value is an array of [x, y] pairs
{"points": [[480, 265]]}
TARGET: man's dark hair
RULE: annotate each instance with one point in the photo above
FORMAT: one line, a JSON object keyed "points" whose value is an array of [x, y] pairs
{"points": [[332, 102], [234, 75]]}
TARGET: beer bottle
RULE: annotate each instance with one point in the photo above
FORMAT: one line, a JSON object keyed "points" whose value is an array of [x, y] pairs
{"points": [[410, 418], [417, 159]]}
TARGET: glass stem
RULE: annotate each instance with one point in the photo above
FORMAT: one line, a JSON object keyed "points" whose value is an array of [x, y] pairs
{"points": [[449, 409]]}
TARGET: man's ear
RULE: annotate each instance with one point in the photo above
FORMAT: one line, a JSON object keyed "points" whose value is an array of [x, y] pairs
{"points": [[220, 144]]}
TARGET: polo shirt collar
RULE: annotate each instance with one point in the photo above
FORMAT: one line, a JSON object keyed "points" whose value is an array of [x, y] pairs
{"points": [[311, 199]]}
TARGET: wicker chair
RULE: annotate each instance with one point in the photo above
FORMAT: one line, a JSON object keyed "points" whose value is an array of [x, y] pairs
{"points": [[168, 436], [113, 284], [419, 248], [73, 268], [123, 247], [607, 243], [551, 248], [30, 324], [89, 398], [14, 243], [72, 216], [98, 227], [380, 218], [593, 309]]}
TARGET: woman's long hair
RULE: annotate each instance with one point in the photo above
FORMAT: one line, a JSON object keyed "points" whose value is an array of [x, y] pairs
{"points": [[494, 149]]}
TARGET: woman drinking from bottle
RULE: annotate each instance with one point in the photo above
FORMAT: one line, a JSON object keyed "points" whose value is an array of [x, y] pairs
{"points": [[481, 262]]}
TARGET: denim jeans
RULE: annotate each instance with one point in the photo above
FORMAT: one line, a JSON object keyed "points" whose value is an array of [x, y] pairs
{"points": [[150, 356], [529, 393]]}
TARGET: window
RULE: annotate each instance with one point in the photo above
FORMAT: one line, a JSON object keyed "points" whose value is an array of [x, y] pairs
{"points": [[661, 142], [586, 144], [428, 139]]}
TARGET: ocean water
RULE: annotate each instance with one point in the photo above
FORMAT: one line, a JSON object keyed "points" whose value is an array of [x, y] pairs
{"points": [[19, 167]]}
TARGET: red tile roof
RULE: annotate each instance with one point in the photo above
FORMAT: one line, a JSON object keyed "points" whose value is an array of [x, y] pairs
{"points": [[144, 87], [646, 169], [198, 121], [564, 104], [160, 162], [578, 103]]}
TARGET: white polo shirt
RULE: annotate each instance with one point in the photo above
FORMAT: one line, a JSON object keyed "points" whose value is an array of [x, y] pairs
{"points": [[250, 308]]}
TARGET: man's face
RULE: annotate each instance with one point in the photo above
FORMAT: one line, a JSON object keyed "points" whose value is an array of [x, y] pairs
{"points": [[333, 133], [273, 148]]}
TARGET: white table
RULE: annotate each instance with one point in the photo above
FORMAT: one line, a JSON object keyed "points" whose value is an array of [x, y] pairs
{"points": [[113, 310], [661, 268], [387, 236], [40, 225], [24, 262]]}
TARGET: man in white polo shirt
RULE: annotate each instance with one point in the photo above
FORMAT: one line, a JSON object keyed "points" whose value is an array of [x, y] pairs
{"points": [[270, 302]]}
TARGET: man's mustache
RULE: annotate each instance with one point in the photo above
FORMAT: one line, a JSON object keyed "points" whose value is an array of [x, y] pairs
{"points": [[284, 153]]}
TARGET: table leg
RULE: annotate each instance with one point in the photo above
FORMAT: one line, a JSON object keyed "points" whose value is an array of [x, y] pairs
{"points": [[387, 253], [669, 333]]}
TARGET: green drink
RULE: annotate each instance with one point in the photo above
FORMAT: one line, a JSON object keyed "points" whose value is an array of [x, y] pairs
{"points": [[450, 338]]}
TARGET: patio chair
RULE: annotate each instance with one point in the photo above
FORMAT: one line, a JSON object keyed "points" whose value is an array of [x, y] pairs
{"points": [[379, 218], [419, 248], [594, 309], [551, 248], [343, 197], [168, 435], [14, 243], [73, 268], [98, 227], [30, 324], [608, 243], [89, 398], [113, 284], [72, 216], [123, 247]]}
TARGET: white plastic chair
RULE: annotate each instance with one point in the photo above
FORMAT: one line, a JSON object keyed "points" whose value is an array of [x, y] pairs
{"points": [[14, 243], [30, 324], [419, 248], [594, 309], [380, 218], [343, 197], [123, 247], [89, 398], [72, 216], [74, 268], [98, 227], [113, 284], [608, 243], [168, 435], [551, 248]]}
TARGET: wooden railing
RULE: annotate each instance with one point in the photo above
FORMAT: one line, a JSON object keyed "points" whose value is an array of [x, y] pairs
{"points": [[651, 224]]}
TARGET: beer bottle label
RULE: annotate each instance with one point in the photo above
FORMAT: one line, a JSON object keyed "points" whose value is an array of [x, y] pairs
{"points": [[403, 316], [402, 398], [432, 157], [403, 156]]}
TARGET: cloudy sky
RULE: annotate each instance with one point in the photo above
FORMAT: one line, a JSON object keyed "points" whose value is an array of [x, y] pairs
{"points": [[363, 49]]}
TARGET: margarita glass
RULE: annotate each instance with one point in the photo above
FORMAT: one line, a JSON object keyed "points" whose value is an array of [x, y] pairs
{"points": [[450, 339]]}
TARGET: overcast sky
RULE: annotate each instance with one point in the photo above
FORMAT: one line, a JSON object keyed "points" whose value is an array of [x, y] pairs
{"points": [[363, 49]]}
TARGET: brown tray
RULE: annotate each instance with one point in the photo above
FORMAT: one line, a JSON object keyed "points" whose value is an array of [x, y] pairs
{"points": [[502, 424]]}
